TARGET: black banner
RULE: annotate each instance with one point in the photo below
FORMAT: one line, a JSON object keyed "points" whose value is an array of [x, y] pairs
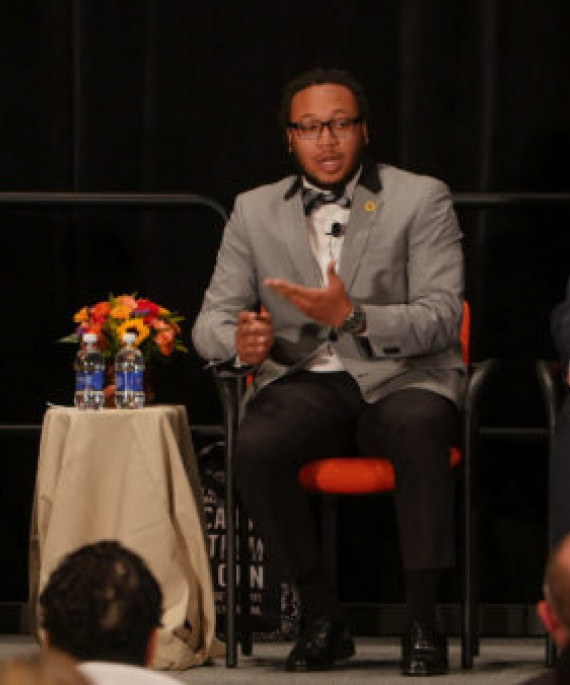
{"points": [[273, 605]]}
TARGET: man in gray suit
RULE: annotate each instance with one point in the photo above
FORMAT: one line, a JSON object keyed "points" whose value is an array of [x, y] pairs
{"points": [[341, 286]]}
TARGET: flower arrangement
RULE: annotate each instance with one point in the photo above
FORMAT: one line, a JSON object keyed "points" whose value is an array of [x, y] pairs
{"points": [[156, 328]]}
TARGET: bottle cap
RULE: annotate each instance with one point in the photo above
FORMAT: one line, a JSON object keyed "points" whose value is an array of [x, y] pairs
{"points": [[129, 337], [90, 337]]}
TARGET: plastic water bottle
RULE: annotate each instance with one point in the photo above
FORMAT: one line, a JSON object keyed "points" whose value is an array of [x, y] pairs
{"points": [[89, 374], [129, 375]]}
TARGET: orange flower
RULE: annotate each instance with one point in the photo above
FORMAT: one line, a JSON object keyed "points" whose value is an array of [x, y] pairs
{"points": [[81, 316], [121, 311], [165, 342], [126, 300], [159, 324]]}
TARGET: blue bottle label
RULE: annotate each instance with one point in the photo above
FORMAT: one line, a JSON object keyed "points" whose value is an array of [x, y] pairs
{"points": [[129, 381], [89, 381], [94, 381]]}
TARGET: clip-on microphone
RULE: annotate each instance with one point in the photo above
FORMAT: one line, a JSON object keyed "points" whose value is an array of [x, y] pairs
{"points": [[337, 229]]}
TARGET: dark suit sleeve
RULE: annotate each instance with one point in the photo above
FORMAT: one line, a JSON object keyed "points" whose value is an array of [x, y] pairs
{"points": [[560, 326]]}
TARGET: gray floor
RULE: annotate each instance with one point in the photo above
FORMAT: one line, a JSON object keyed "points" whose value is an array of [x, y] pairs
{"points": [[501, 660]]}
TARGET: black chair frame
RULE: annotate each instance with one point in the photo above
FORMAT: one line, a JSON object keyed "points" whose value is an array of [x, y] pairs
{"points": [[549, 376]]}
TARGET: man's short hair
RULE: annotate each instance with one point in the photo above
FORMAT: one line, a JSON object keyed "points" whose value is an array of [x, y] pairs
{"points": [[320, 76], [557, 580], [102, 604]]}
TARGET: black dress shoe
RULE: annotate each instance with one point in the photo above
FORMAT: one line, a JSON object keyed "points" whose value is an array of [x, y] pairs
{"points": [[424, 651], [322, 643]]}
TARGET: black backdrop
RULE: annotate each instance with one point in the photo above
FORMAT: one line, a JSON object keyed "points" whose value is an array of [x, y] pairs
{"points": [[177, 96]]}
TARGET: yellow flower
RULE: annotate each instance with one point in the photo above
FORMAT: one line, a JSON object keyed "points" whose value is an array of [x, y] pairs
{"points": [[137, 326], [121, 311]]}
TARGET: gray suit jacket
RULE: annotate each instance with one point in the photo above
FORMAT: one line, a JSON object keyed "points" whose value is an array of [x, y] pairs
{"points": [[401, 259]]}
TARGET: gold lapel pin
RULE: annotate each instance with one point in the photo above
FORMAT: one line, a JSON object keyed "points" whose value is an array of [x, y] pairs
{"points": [[370, 206]]}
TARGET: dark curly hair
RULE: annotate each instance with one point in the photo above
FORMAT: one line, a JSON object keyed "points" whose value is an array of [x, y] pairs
{"points": [[102, 603], [321, 76]]}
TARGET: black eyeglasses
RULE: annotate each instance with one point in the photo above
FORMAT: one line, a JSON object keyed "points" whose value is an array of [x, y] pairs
{"points": [[311, 129]]}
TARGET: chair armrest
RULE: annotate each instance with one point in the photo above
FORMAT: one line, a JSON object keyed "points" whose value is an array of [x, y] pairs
{"points": [[230, 382], [479, 373], [548, 374], [478, 376]]}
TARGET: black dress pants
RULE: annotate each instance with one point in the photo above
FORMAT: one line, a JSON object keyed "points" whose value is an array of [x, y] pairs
{"points": [[310, 415]]}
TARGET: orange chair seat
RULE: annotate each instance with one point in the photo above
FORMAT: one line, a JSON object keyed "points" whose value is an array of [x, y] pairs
{"points": [[354, 475]]}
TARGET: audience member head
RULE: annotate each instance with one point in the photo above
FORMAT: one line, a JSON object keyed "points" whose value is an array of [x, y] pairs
{"points": [[554, 609], [44, 667], [102, 604]]}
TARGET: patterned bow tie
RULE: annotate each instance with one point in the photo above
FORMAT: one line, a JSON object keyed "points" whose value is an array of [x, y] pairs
{"points": [[313, 199]]}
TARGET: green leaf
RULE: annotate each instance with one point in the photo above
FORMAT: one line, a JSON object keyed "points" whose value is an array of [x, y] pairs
{"points": [[72, 338]]}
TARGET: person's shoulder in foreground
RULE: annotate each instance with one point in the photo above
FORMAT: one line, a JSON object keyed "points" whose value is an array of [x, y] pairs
{"points": [[44, 667], [106, 673], [554, 611]]}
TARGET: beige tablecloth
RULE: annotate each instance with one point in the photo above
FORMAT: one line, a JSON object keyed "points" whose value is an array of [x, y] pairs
{"points": [[129, 475]]}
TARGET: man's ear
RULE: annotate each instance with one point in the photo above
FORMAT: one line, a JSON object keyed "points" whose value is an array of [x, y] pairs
{"points": [[365, 135], [549, 619], [151, 646]]}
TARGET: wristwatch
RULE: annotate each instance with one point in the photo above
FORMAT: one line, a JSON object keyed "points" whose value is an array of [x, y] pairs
{"points": [[355, 322]]}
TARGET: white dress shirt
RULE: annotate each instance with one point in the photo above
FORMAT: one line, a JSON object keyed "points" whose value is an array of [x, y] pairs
{"points": [[327, 247]]}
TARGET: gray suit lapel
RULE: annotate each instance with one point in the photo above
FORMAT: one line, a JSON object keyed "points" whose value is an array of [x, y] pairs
{"points": [[293, 225], [365, 208]]}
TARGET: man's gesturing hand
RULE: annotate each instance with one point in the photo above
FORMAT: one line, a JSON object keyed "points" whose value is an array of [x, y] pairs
{"points": [[329, 306], [254, 337]]}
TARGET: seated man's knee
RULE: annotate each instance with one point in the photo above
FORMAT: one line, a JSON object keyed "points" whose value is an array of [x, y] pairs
{"points": [[257, 456], [411, 422]]}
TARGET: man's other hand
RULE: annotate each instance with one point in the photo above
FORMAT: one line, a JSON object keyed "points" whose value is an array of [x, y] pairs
{"points": [[254, 337]]}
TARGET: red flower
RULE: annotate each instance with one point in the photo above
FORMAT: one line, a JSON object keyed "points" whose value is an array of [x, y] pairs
{"points": [[146, 308], [100, 312]]}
